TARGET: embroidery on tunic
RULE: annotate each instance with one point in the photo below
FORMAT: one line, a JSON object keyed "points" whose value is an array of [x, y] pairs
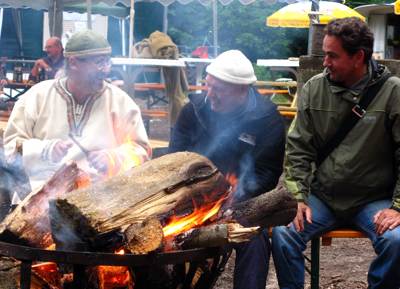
{"points": [[77, 114]]}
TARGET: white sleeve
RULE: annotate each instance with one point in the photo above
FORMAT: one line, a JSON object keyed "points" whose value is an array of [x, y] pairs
{"points": [[20, 129]]}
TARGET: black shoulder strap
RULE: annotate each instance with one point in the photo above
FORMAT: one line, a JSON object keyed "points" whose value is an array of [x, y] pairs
{"points": [[357, 112]]}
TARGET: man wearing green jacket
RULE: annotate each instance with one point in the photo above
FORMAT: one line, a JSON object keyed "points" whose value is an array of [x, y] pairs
{"points": [[345, 178]]}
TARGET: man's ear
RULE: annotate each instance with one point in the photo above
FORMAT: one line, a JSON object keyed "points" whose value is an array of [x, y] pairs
{"points": [[360, 57]]}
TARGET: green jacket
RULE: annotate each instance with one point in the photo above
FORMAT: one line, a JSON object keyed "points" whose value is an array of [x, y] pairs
{"points": [[365, 166]]}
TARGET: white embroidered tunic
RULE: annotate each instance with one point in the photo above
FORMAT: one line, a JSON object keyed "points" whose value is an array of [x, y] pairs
{"points": [[109, 120]]}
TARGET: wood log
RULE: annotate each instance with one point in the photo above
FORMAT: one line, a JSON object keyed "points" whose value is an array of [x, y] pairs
{"points": [[274, 208], [29, 223], [9, 273], [216, 235], [144, 237], [160, 188]]}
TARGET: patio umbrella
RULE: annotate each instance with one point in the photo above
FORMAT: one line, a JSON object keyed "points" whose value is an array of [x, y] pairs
{"points": [[297, 15]]}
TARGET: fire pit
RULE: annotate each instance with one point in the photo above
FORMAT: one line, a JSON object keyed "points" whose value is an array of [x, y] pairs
{"points": [[80, 260], [161, 212]]}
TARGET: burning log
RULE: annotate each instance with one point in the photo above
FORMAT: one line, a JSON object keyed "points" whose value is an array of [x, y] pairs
{"points": [[274, 208], [148, 196], [216, 235], [145, 237], [159, 188], [29, 223]]}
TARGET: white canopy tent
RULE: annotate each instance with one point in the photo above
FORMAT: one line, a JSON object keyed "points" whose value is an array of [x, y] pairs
{"points": [[56, 7]]}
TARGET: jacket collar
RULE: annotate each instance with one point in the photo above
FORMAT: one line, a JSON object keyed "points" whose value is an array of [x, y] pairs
{"points": [[376, 71], [252, 112]]}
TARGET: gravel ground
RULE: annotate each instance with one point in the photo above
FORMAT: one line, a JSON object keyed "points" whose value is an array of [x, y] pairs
{"points": [[343, 265]]}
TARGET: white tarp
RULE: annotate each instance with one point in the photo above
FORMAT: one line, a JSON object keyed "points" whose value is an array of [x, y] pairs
{"points": [[45, 4]]}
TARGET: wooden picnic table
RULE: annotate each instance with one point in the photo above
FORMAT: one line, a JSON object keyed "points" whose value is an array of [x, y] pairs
{"points": [[15, 89]]}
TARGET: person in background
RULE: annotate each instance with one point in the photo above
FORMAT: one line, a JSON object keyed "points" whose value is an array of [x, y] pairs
{"points": [[78, 117], [243, 134], [341, 174], [49, 65]]}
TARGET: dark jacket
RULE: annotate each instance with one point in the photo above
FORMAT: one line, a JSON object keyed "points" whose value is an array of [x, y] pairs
{"points": [[54, 67], [364, 166], [249, 144]]}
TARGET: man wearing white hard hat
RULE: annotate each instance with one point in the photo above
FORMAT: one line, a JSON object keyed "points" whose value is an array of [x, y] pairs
{"points": [[242, 133]]}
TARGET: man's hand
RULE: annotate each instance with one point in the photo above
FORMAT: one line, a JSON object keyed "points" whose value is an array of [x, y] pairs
{"points": [[60, 150], [302, 211], [3, 82], [103, 161], [386, 219], [40, 63]]}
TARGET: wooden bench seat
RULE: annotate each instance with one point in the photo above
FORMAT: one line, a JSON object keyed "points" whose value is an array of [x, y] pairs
{"points": [[161, 86], [266, 91]]}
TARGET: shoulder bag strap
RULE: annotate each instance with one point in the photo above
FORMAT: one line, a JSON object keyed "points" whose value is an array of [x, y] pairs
{"points": [[357, 112]]}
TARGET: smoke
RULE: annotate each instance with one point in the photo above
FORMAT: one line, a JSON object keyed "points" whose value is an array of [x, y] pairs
{"points": [[231, 151], [62, 229], [14, 182]]}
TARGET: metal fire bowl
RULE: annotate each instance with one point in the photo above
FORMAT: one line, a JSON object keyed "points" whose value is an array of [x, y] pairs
{"points": [[80, 260], [24, 253]]}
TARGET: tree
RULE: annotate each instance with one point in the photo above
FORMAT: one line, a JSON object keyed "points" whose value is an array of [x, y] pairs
{"points": [[239, 27]]}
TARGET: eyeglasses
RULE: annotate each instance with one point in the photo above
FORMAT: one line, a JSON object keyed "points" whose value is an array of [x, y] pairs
{"points": [[100, 62]]}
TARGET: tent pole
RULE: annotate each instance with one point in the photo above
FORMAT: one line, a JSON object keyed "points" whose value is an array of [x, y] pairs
{"points": [[314, 18], [165, 19], [215, 27], [123, 33], [89, 14], [131, 28]]}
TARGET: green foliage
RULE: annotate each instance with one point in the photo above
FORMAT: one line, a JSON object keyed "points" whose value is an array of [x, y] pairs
{"points": [[239, 27], [355, 3]]}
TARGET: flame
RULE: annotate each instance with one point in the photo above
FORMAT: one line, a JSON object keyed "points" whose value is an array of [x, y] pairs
{"points": [[51, 266], [111, 277], [118, 164], [232, 180], [115, 276], [48, 273], [120, 252], [178, 225]]}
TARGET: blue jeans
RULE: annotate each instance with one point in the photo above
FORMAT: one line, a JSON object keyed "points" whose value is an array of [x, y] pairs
{"points": [[288, 245], [251, 264]]}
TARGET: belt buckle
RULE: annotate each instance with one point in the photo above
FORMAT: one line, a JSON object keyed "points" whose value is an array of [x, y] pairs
{"points": [[358, 111]]}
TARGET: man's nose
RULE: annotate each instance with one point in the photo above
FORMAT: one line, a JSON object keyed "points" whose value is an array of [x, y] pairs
{"points": [[326, 62]]}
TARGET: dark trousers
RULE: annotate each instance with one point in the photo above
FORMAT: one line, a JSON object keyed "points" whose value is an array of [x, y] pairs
{"points": [[251, 265]]}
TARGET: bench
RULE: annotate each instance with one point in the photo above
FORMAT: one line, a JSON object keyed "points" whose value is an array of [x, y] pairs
{"points": [[150, 89], [326, 240], [149, 114]]}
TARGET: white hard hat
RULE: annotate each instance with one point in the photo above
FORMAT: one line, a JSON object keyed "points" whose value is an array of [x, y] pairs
{"points": [[232, 66]]}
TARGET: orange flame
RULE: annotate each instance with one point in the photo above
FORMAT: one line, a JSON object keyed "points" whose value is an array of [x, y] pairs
{"points": [[131, 158], [114, 277], [232, 180], [120, 252], [179, 225]]}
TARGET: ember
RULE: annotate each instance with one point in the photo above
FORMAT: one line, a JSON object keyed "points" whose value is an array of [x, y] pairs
{"points": [[113, 277]]}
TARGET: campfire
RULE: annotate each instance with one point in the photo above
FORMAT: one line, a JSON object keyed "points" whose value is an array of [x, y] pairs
{"points": [[172, 216]]}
